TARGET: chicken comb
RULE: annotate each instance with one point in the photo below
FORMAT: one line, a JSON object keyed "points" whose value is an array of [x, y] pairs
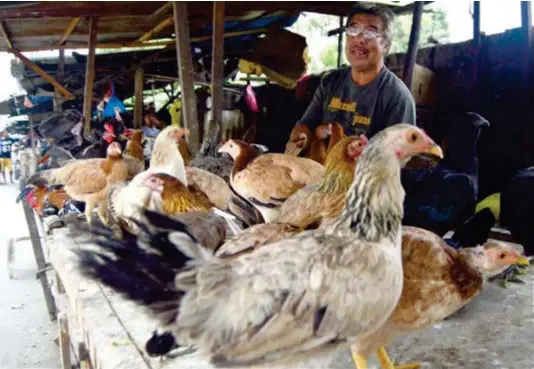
{"points": [[364, 139]]}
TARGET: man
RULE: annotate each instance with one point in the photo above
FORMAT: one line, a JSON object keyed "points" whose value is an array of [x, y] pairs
{"points": [[5, 155], [365, 97]]}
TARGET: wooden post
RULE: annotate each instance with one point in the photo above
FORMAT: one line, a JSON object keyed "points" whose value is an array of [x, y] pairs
{"points": [[138, 105], [526, 26], [476, 23], [413, 45], [340, 42], [186, 74], [217, 66], [60, 75], [90, 75]]}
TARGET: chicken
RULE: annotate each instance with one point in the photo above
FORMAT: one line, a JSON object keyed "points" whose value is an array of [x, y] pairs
{"points": [[91, 184], [438, 281], [309, 146], [42, 198], [166, 156], [213, 186], [126, 201], [311, 204], [314, 291], [268, 180], [337, 133], [133, 153]]}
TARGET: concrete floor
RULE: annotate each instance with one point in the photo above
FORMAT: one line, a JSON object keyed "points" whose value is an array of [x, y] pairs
{"points": [[27, 335]]}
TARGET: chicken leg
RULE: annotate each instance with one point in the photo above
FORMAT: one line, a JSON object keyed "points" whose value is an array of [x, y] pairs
{"points": [[385, 361], [360, 361]]}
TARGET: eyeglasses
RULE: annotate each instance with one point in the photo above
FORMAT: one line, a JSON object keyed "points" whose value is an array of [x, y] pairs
{"points": [[368, 34]]}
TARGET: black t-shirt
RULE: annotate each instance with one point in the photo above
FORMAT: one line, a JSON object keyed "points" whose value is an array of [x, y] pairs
{"points": [[5, 147], [367, 109]]}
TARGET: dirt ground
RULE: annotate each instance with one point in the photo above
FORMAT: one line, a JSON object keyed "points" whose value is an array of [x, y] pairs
{"points": [[26, 332]]}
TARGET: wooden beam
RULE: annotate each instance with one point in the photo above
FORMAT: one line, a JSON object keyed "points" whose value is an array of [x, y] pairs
{"points": [[47, 77], [68, 31], [159, 12], [138, 107], [161, 26], [217, 70], [116, 45], [413, 45], [90, 75], [186, 74], [6, 35]]}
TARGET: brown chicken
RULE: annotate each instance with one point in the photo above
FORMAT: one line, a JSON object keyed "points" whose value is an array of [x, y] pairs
{"points": [[91, 183], [134, 146], [324, 200], [174, 197], [337, 133], [268, 180], [304, 144], [41, 197], [212, 185], [309, 206], [133, 154], [438, 280]]}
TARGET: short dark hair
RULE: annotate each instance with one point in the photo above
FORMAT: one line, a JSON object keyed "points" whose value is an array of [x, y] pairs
{"points": [[384, 13]]}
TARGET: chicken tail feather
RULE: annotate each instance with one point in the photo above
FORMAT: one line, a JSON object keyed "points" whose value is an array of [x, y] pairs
{"points": [[142, 268]]}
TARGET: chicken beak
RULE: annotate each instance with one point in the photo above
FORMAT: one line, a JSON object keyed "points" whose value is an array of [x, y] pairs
{"points": [[292, 149], [434, 149], [523, 261]]}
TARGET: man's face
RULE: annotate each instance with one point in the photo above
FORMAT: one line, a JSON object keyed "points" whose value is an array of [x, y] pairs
{"points": [[364, 51]]}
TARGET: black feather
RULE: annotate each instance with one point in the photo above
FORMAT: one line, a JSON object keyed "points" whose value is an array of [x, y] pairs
{"points": [[141, 268], [160, 344]]}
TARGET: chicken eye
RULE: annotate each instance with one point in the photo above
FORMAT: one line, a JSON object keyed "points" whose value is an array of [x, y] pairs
{"points": [[413, 137], [502, 255]]}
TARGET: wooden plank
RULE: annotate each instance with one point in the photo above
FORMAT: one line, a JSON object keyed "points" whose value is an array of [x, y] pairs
{"points": [[159, 12], [158, 28], [217, 63], [413, 45], [186, 74], [138, 107], [90, 75], [64, 341], [39, 259], [47, 77], [6, 35], [68, 31]]}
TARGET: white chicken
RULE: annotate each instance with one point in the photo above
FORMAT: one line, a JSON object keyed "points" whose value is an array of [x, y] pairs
{"points": [[312, 292]]}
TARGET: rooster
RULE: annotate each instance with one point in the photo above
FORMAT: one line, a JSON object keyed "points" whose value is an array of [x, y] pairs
{"points": [[315, 291]]}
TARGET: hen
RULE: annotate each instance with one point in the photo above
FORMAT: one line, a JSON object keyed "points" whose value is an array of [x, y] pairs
{"points": [[438, 281], [313, 203], [268, 180], [315, 291], [302, 143]]}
